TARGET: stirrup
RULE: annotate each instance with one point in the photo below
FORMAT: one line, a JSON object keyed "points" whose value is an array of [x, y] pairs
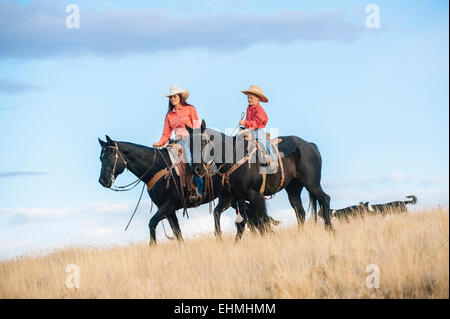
{"points": [[195, 198], [268, 160]]}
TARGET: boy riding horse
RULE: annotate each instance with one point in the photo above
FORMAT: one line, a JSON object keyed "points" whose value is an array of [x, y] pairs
{"points": [[256, 120]]}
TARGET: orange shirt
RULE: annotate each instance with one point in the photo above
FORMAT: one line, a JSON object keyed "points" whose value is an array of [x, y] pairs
{"points": [[256, 117], [175, 121]]}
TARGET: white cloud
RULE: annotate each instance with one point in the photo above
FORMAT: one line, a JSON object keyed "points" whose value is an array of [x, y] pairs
{"points": [[38, 30]]}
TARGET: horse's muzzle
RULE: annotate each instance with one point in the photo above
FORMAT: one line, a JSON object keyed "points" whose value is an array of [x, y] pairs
{"points": [[104, 182]]}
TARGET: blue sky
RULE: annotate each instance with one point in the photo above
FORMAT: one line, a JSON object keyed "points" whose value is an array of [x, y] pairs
{"points": [[375, 101]]}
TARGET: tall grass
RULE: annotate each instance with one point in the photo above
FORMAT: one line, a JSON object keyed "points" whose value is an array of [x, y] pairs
{"points": [[411, 252]]}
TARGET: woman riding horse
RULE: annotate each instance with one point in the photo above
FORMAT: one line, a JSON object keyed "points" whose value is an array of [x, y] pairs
{"points": [[179, 114]]}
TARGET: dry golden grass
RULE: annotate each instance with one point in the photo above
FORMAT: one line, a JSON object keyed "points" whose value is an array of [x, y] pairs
{"points": [[412, 252]]}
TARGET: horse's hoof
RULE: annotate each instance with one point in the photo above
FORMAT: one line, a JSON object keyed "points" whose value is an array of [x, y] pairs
{"points": [[274, 221], [330, 228]]}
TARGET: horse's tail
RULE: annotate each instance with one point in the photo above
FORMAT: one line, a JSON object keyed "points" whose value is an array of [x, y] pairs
{"points": [[412, 201]]}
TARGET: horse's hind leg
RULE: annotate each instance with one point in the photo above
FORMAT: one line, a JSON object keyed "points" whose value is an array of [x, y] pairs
{"points": [[294, 190], [173, 221], [240, 228], [324, 201], [258, 213]]}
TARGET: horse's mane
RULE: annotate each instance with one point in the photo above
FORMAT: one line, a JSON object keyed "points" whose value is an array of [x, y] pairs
{"points": [[226, 138], [139, 149], [137, 146]]}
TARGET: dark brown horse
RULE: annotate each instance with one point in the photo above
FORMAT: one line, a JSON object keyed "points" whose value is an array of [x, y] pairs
{"points": [[300, 167], [145, 163]]}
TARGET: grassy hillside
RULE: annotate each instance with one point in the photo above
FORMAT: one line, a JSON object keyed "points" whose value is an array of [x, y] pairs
{"points": [[411, 252]]}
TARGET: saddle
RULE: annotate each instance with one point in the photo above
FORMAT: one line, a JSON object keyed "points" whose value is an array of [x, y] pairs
{"points": [[261, 147], [181, 168], [177, 164], [176, 156], [273, 167]]}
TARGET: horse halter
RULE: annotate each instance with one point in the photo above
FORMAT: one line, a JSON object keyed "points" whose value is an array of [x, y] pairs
{"points": [[117, 155], [205, 137]]}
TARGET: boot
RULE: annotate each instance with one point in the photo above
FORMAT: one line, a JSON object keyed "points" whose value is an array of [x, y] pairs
{"points": [[200, 184], [197, 194], [270, 163], [195, 197]]}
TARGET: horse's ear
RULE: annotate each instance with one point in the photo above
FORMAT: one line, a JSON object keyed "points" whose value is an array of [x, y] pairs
{"points": [[102, 143], [203, 126], [366, 204], [108, 139], [189, 129]]}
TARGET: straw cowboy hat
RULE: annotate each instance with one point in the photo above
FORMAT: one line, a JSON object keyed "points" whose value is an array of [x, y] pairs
{"points": [[176, 90], [257, 91]]}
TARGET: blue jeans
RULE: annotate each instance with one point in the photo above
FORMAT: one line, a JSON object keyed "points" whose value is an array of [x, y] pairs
{"points": [[185, 141]]}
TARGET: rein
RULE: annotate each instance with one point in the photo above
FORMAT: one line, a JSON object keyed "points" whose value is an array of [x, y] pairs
{"points": [[118, 155], [242, 118], [136, 182], [180, 195]]}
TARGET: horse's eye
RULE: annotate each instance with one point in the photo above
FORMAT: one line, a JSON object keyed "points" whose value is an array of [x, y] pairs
{"points": [[110, 156]]}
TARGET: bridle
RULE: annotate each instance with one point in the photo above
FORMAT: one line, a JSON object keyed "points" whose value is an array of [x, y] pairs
{"points": [[206, 165], [117, 155], [208, 175]]}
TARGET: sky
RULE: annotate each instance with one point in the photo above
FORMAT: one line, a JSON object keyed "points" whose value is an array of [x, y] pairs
{"points": [[374, 100]]}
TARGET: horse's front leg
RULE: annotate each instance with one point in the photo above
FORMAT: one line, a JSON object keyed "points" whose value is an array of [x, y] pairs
{"points": [[240, 225], [225, 201], [159, 215]]}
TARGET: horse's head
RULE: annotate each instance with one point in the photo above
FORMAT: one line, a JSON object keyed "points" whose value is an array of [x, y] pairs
{"points": [[113, 162], [198, 141]]}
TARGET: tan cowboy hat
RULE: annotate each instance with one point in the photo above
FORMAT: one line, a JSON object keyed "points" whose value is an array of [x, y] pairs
{"points": [[257, 91], [176, 90]]}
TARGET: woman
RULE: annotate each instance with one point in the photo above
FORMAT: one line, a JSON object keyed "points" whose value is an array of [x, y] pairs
{"points": [[179, 114]]}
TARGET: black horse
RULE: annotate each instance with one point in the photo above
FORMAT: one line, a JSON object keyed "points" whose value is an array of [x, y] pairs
{"points": [[300, 167], [145, 163]]}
